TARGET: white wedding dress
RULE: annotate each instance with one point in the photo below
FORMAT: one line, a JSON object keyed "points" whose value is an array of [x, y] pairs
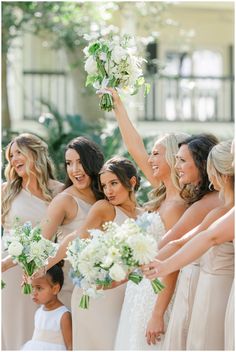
{"points": [[137, 309]]}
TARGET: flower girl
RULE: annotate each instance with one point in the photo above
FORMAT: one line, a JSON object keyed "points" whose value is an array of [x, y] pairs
{"points": [[53, 327]]}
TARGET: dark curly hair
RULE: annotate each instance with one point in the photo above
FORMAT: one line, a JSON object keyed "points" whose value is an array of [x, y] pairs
{"points": [[91, 158], [199, 147], [56, 274], [124, 169]]}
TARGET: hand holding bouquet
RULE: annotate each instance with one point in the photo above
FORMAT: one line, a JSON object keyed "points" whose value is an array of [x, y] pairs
{"points": [[29, 249], [111, 63], [112, 255]]}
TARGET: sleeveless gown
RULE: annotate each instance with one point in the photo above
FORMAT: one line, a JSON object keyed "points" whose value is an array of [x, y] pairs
{"points": [[95, 328], [229, 322], [136, 311], [177, 330], [63, 230], [47, 332], [206, 329], [18, 309]]}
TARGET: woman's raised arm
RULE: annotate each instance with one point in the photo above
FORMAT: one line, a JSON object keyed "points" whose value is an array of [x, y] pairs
{"points": [[132, 139]]}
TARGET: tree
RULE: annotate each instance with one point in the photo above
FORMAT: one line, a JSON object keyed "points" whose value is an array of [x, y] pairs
{"points": [[62, 25]]}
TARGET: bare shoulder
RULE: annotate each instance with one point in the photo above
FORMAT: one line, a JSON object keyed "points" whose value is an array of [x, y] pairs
{"points": [[207, 202], [62, 199], [102, 205], [55, 186]]}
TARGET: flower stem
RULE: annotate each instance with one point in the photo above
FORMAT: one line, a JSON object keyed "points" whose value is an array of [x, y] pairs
{"points": [[27, 289], [157, 285], [84, 302], [136, 278], [106, 102]]}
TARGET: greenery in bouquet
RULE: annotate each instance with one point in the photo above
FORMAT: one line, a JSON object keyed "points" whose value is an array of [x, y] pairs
{"points": [[112, 255], [111, 62], [29, 249]]}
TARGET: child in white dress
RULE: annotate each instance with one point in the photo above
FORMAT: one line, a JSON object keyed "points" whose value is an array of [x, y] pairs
{"points": [[53, 327]]}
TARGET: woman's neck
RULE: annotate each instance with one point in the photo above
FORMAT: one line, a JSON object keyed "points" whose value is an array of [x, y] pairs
{"points": [[129, 208], [171, 190], [85, 194], [228, 196], [31, 184]]}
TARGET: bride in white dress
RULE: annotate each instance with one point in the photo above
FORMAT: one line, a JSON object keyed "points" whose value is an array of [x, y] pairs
{"points": [[136, 311]]}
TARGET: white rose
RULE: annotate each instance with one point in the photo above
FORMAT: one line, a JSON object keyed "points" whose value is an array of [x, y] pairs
{"points": [[15, 248], [90, 65], [108, 260], [118, 54], [117, 273]]}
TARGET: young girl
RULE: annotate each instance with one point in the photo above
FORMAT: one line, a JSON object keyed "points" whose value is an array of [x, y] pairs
{"points": [[53, 326]]}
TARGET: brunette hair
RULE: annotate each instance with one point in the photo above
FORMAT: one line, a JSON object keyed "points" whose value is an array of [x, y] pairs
{"points": [[91, 158]]}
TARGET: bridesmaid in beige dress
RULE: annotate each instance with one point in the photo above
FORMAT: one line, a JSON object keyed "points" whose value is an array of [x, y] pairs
{"points": [[220, 171], [229, 323], [29, 188], [69, 208], [95, 328], [206, 329]]}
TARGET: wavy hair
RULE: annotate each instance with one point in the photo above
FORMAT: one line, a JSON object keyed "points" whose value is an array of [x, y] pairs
{"points": [[33, 148], [91, 158], [199, 147], [220, 164], [171, 142]]}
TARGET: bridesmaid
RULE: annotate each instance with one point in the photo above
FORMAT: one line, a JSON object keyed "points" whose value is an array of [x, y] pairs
{"points": [[95, 328], [29, 187], [220, 171], [214, 285], [67, 211], [192, 155]]}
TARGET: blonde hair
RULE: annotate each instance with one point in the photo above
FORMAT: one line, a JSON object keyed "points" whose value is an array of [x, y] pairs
{"points": [[29, 145], [170, 141], [220, 163]]}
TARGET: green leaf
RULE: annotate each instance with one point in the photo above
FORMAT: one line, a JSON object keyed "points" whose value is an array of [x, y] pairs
{"points": [[93, 48]]}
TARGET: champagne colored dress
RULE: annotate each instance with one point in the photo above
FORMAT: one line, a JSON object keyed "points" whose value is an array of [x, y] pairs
{"points": [[206, 329], [18, 309], [229, 322], [177, 330], [95, 328], [63, 231]]}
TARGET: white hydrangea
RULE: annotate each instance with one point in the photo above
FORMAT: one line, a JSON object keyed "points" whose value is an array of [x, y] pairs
{"points": [[15, 248]]}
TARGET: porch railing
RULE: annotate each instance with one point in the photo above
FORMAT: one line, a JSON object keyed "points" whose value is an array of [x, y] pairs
{"points": [[171, 98], [192, 98]]}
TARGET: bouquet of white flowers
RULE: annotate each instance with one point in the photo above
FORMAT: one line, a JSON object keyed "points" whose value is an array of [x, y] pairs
{"points": [[112, 255], [111, 63], [29, 249]]}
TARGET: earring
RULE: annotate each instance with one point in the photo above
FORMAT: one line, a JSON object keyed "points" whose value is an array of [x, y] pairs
{"points": [[211, 187]]}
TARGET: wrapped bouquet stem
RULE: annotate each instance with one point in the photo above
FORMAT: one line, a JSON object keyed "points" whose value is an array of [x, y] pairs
{"points": [[111, 62]]}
